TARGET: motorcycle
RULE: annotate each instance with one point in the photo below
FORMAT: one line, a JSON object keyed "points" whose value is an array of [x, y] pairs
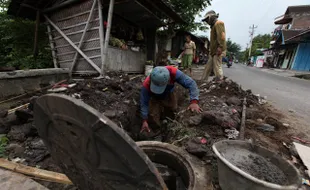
{"points": [[229, 64]]}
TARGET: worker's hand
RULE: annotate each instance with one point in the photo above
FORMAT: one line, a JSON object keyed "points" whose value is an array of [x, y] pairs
{"points": [[145, 127], [219, 51], [195, 108]]}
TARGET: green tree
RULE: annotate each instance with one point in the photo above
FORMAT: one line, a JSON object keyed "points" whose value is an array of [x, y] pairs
{"points": [[232, 47], [188, 10], [259, 42], [16, 42]]}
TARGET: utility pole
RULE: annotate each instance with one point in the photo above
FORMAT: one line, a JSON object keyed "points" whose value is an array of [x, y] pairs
{"points": [[252, 31]]}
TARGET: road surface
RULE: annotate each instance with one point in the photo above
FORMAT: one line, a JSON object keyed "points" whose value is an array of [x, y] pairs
{"points": [[287, 94]]}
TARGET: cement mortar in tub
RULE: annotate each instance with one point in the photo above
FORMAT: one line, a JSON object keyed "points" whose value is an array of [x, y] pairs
{"points": [[242, 165]]}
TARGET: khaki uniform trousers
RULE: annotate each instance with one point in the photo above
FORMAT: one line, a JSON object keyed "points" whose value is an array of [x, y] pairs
{"points": [[215, 63]]}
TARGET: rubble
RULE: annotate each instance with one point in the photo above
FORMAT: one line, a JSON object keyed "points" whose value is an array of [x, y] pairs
{"points": [[117, 97]]}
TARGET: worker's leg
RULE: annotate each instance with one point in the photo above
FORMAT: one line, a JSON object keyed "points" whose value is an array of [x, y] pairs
{"points": [[155, 111], [208, 68], [170, 105], [217, 67]]}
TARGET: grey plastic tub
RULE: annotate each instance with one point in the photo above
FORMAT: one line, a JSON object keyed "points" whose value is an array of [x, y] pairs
{"points": [[233, 178]]}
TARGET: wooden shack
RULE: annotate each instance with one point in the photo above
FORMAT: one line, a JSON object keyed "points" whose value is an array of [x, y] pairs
{"points": [[92, 36]]}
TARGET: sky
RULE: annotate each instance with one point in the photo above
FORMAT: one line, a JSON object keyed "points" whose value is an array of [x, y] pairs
{"points": [[239, 15]]}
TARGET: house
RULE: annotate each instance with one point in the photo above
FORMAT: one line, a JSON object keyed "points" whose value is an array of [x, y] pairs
{"points": [[92, 36], [291, 44], [176, 44]]}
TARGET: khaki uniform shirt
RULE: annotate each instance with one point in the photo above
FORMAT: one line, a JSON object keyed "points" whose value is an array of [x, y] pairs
{"points": [[218, 37], [189, 48]]}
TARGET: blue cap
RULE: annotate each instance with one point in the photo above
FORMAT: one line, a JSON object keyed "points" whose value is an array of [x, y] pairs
{"points": [[160, 77]]}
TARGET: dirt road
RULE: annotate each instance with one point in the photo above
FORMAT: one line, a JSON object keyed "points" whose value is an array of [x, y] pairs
{"points": [[288, 94]]}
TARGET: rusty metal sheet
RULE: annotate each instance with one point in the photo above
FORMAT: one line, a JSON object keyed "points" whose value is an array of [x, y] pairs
{"points": [[92, 150]]}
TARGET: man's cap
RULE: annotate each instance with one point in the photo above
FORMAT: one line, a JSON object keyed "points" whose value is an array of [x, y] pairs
{"points": [[160, 77], [209, 14]]}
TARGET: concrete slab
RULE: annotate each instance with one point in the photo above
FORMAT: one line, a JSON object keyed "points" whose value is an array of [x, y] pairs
{"points": [[13, 181], [304, 154]]}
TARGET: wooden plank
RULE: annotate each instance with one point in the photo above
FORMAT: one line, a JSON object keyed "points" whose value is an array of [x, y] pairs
{"points": [[50, 37], [76, 43], [77, 32], [83, 36], [304, 154], [35, 172], [73, 45]]}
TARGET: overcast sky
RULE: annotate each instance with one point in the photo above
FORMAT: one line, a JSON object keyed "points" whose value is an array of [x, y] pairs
{"points": [[239, 15]]}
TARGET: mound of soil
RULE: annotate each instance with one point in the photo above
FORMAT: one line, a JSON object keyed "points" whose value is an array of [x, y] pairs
{"points": [[117, 96]]}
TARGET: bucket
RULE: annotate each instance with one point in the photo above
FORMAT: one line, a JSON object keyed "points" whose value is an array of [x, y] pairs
{"points": [[148, 69], [231, 177]]}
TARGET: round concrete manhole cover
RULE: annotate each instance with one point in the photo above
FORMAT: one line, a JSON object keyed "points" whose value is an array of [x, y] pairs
{"points": [[91, 150]]}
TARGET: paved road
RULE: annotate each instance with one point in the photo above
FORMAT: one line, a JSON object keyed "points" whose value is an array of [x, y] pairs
{"points": [[285, 93]]}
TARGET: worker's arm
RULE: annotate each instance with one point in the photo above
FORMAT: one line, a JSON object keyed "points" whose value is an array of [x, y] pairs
{"points": [[144, 103], [188, 83], [221, 35]]}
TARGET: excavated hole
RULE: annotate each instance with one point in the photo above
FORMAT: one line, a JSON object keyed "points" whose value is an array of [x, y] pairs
{"points": [[173, 170]]}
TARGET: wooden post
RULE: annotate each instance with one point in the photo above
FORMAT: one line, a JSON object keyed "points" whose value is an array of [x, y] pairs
{"points": [[83, 36], [73, 45], [107, 36], [50, 37], [242, 127], [101, 33], [36, 34]]}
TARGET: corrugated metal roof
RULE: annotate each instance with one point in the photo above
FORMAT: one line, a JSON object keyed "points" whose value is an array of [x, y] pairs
{"points": [[27, 8]]}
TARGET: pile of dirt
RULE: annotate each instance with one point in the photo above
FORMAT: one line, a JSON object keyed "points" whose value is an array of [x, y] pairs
{"points": [[117, 96]]}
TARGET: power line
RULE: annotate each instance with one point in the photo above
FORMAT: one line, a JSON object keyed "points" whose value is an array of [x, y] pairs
{"points": [[252, 31]]}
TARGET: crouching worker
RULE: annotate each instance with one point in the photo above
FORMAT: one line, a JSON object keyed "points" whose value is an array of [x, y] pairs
{"points": [[158, 95]]}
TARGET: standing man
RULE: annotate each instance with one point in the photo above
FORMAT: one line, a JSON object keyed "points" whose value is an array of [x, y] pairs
{"points": [[189, 54], [158, 94], [217, 46]]}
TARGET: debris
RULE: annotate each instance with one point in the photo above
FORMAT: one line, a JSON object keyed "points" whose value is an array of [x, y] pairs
{"points": [[195, 147], [259, 120], [195, 120], [35, 172], [234, 111], [203, 141], [3, 114], [284, 144], [286, 124], [292, 111], [266, 128], [234, 101], [55, 90], [180, 140], [305, 182], [24, 115], [18, 108], [15, 150], [304, 154], [18, 160], [212, 87], [220, 118], [301, 140], [294, 160], [232, 133], [110, 113]]}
